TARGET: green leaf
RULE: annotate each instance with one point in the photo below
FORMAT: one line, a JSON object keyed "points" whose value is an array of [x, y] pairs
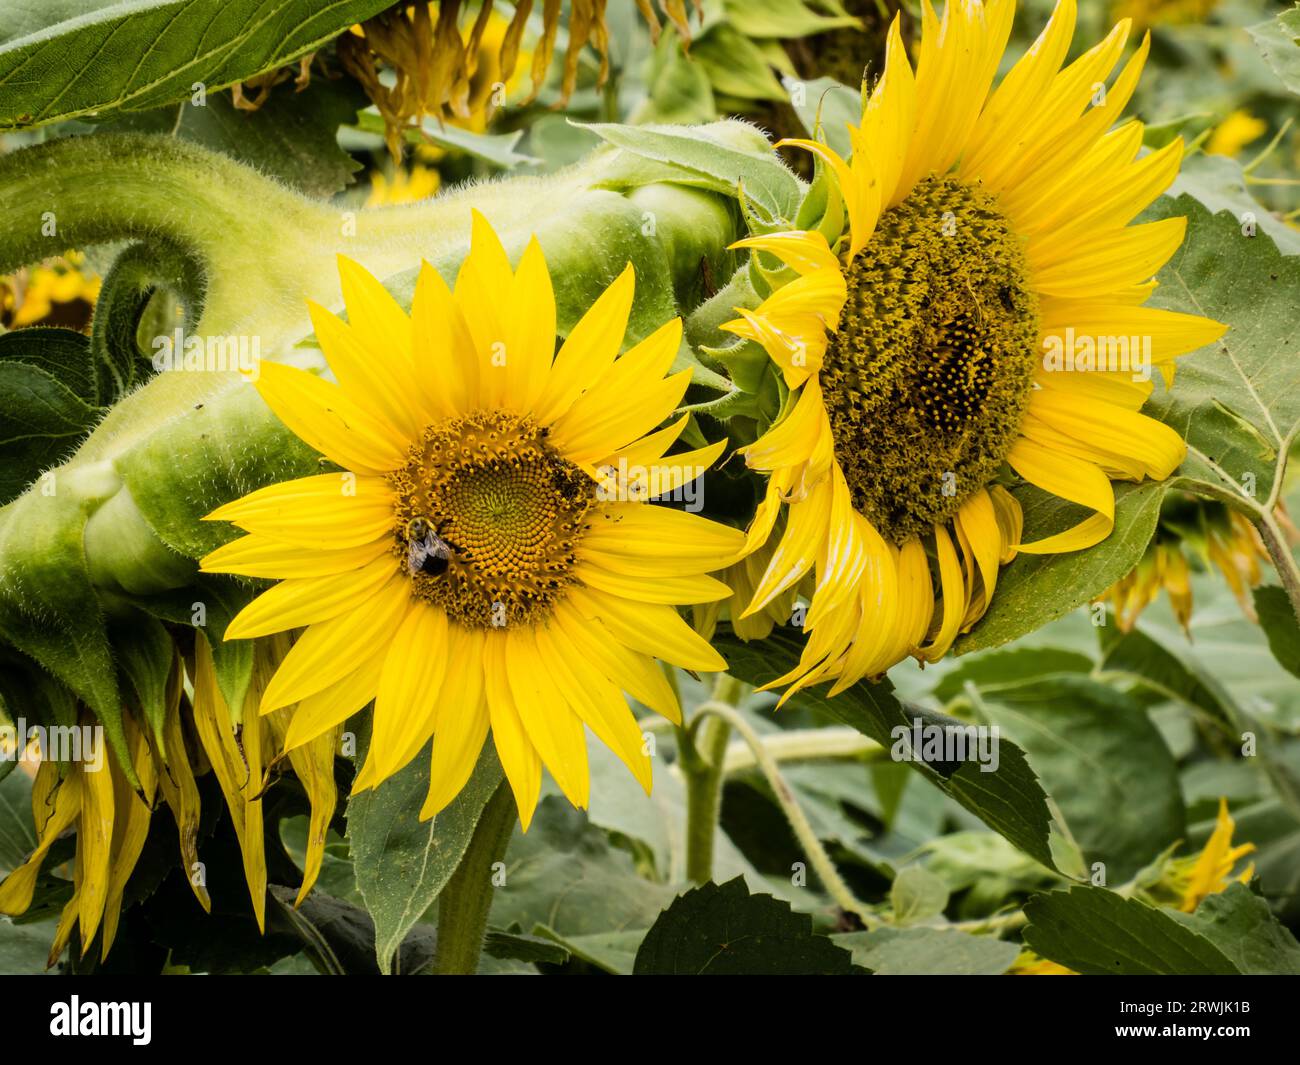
{"points": [[401, 862], [1102, 760], [74, 58], [64, 354], [42, 418], [564, 875], [736, 65], [1279, 41], [495, 148], [17, 831], [1010, 800], [1220, 184], [340, 937], [56, 618], [723, 930], [293, 136], [917, 895], [1277, 619], [144, 653], [614, 952], [1160, 667], [782, 18], [519, 947], [826, 107], [1036, 589], [1241, 924], [746, 162], [1237, 402], [1096, 932], [929, 952], [1009, 666], [678, 88]]}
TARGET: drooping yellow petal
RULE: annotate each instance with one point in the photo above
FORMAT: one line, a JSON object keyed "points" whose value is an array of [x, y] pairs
{"points": [[519, 759], [407, 699], [655, 630], [301, 601], [461, 724], [329, 650], [553, 729]]}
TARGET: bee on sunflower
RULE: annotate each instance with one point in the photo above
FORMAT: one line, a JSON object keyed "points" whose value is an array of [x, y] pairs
{"points": [[489, 558], [985, 227]]}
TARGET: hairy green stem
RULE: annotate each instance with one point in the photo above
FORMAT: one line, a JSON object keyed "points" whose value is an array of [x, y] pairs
{"points": [[464, 903], [817, 857], [805, 745], [704, 751]]}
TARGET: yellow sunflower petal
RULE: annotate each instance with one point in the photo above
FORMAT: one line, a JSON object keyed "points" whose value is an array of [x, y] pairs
{"points": [[256, 556], [523, 768], [554, 730], [327, 512], [461, 724], [589, 350], [329, 650], [301, 601], [322, 415]]}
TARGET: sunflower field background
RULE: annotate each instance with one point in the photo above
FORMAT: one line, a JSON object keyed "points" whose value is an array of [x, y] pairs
{"points": [[615, 487]]}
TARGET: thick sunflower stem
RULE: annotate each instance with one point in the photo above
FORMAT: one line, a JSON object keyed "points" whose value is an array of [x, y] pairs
{"points": [[704, 754], [464, 903]]}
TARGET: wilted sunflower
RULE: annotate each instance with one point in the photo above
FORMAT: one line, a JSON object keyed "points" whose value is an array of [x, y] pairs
{"points": [[1201, 533], [984, 227], [489, 561], [92, 795]]}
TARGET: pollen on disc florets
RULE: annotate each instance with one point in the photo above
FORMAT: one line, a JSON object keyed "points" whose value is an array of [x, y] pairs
{"points": [[509, 508], [930, 370]]}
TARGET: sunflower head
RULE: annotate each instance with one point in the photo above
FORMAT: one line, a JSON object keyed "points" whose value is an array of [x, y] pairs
{"points": [[978, 322], [489, 558]]}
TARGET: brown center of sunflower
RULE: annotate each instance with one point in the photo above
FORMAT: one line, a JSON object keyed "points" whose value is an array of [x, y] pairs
{"points": [[488, 516], [928, 376]]}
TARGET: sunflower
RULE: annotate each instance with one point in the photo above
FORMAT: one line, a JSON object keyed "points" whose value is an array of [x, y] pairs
{"points": [[987, 258], [111, 818], [489, 558]]}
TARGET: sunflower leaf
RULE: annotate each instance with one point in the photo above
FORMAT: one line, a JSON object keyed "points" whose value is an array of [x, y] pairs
{"points": [[1097, 932], [77, 58], [401, 862], [1279, 41], [1010, 799], [1277, 619], [1238, 401], [720, 929], [1036, 589], [1074, 726], [723, 157]]}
